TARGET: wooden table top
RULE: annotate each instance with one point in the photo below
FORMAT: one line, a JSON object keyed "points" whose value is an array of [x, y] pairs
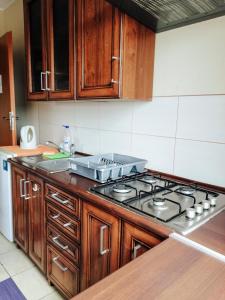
{"points": [[171, 270], [211, 234]]}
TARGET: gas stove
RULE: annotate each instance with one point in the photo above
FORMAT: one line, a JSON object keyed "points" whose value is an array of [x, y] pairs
{"points": [[179, 206]]}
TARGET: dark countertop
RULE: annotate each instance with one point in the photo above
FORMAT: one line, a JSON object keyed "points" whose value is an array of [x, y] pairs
{"points": [[171, 270]]}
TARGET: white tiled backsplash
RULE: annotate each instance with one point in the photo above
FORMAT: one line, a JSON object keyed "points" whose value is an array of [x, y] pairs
{"points": [[184, 136]]}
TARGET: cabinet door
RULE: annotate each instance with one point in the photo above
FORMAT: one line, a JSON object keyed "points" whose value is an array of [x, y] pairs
{"points": [[135, 242], [101, 235], [98, 49], [60, 16], [20, 208], [37, 234]]}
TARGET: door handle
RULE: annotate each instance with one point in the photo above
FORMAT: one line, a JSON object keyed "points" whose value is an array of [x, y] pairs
{"points": [[135, 250], [102, 250], [55, 197], [26, 197], [57, 242], [21, 188], [42, 86], [47, 88], [55, 261]]}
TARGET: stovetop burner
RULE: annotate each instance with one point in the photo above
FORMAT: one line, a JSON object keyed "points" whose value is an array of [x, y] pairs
{"points": [[158, 201], [186, 190], [149, 179], [121, 188]]}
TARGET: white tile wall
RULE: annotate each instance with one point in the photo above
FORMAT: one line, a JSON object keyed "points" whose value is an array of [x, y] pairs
{"points": [[184, 136]]}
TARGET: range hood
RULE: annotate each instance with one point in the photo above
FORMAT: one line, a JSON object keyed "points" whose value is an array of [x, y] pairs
{"points": [[162, 15]]}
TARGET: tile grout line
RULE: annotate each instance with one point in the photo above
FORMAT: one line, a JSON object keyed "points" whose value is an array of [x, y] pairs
{"points": [[176, 129]]}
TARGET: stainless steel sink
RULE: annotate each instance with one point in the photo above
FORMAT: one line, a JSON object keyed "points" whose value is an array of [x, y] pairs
{"points": [[54, 166]]}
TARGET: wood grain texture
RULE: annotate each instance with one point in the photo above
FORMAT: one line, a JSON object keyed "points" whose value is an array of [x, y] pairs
{"points": [[211, 234], [7, 96], [25, 152], [98, 40], [169, 271], [137, 60], [96, 266]]}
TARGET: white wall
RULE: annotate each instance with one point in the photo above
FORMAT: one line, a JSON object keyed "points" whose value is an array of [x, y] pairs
{"points": [[182, 135]]}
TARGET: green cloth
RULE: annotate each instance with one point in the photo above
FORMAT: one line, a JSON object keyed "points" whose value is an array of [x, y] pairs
{"points": [[57, 155]]}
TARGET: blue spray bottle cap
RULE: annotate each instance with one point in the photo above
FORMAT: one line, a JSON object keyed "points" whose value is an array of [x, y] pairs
{"points": [[66, 126]]}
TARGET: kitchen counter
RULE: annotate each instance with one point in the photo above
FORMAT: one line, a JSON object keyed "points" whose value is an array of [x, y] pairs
{"points": [[211, 234], [79, 185], [171, 270]]}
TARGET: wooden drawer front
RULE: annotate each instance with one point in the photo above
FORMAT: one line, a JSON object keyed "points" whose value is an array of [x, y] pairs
{"points": [[62, 273], [64, 200], [63, 244], [64, 222]]}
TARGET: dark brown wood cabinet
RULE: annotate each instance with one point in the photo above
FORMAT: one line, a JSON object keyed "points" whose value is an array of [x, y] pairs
{"points": [[135, 242], [20, 208], [100, 249], [49, 43], [37, 231], [29, 215], [115, 53]]}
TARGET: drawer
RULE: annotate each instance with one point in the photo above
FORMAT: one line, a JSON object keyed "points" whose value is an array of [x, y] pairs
{"points": [[65, 223], [63, 274], [68, 248], [70, 203]]}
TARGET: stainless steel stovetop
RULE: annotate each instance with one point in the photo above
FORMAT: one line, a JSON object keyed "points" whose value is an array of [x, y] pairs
{"points": [[179, 206]]}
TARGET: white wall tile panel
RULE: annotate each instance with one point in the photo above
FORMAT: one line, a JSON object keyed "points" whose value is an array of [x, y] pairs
{"points": [[157, 150], [157, 117], [117, 142], [202, 118], [200, 161]]}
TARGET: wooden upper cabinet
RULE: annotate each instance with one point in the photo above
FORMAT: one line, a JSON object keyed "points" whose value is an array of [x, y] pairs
{"points": [[49, 38], [98, 49], [135, 242], [100, 250], [115, 53]]}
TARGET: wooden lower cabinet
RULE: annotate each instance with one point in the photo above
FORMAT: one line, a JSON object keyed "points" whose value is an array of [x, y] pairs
{"points": [[135, 242], [62, 273], [100, 249], [37, 232], [20, 208], [29, 215]]}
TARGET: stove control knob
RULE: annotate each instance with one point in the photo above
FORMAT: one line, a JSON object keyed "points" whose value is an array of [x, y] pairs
{"points": [[190, 213], [199, 209], [206, 204], [212, 201]]}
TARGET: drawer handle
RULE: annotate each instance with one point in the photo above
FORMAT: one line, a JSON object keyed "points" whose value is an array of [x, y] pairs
{"points": [[55, 216], [55, 261], [55, 197], [67, 224], [135, 250], [102, 250], [55, 240]]}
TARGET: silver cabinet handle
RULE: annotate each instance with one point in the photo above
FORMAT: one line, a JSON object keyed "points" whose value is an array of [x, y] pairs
{"points": [[21, 188], [102, 250], [55, 240], [67, 224], [115, 58], [55, 216], [135, 250], [42, 86], [46, 80], [55, 197], [114, 81], [55, 261], [26, 197]]}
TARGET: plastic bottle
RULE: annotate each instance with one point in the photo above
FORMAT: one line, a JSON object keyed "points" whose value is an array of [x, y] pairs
{"points": [[66, 138]]}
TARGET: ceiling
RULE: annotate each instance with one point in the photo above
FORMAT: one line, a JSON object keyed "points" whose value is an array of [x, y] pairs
{"points": [[5, 3]]}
